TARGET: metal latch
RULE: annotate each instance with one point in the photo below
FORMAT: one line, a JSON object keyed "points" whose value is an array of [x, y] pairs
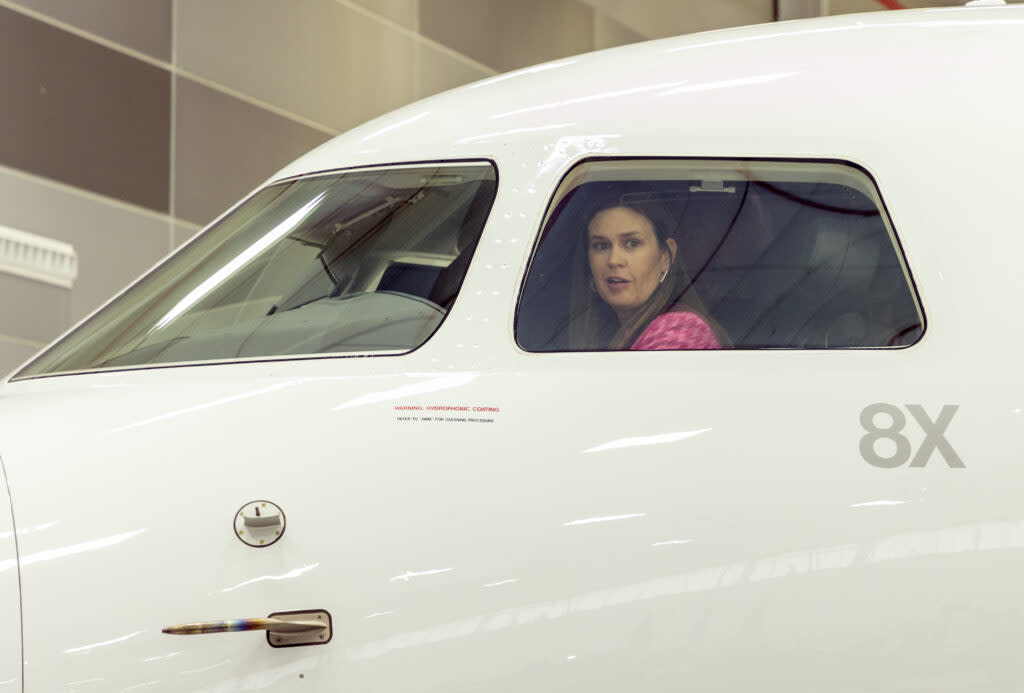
{"points": [[284, 628]]}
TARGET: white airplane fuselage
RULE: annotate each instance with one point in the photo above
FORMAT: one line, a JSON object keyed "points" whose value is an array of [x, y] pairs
{"points": [[474, 515]]}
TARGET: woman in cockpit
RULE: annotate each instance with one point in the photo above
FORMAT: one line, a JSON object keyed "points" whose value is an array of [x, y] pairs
{"points": [[630, 287]]}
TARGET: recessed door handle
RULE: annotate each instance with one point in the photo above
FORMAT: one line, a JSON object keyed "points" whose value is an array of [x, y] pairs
{"points": [[284, 628]]}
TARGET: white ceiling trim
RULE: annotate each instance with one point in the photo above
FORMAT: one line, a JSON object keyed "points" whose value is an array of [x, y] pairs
{"points": [[37, 257]]}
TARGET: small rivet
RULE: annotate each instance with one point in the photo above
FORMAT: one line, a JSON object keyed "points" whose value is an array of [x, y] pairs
{"points": [[263, 505], [321, 617], [276, 532], [240, 532], [321, 637], [261, 541]]}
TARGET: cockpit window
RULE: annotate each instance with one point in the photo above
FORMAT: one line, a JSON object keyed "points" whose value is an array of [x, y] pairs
{"points": [[689, 254], [353, 262]]}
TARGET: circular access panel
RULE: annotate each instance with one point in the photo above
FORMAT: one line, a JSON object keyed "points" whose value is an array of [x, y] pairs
{"points": [[259, 523]]}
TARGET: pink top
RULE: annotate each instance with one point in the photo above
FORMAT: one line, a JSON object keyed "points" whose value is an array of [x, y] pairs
{"points": [[677, 330]]}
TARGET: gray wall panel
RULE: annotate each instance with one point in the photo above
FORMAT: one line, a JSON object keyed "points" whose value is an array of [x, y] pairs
{"points": [[183, 232], [508, 35], [13, 354], [114, 243], [661, 18], [225, 147], [404, 12], [144, 25], [33, 310], [437, 71], [316, 59], [609, 33], [83, 114]]}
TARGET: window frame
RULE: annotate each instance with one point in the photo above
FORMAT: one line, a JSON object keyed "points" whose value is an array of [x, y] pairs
{"points": [[874, 194], [20, 375]]}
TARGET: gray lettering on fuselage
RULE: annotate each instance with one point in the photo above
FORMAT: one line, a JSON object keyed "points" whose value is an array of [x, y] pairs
{"points": [[934, 431], [935, 435], [876, 433]]}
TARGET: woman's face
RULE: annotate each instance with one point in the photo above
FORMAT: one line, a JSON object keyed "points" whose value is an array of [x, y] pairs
{"points": [[626, 261]]}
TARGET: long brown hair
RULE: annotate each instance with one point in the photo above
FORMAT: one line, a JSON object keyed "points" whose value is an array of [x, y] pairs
{"points": [[594, 324]]}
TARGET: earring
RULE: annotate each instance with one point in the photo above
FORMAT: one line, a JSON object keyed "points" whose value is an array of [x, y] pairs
{"points": [[663, 275]]}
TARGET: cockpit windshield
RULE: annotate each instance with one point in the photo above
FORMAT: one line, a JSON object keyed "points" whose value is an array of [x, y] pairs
{"points": [[362, 261]]}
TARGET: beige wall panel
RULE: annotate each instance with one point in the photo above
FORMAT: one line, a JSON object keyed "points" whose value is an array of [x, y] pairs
{"points": [[114, 243], [404, 12], [853, 6], [799, 9], [661, 18], [507, 35], [183, 232], [318, 59], [225, 147], [438, 71], [609, 33], [13, 354], [33, 310], [143, 25]]}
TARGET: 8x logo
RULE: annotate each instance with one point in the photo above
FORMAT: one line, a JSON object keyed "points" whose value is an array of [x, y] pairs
{"points": [[934, 431]]}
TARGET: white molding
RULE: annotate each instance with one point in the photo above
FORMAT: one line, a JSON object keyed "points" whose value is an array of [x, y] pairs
{"points": [[37, 257]]}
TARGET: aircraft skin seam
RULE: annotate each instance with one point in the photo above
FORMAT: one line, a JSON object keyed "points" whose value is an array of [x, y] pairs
{"points": [[17, 560]]}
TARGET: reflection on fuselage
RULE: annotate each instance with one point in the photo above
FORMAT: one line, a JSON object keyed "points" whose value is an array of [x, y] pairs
{"points": [[27, 530], [86, 648], [204, 669], [981, 537], [166, 656], [878, 503], [405, 577], [82, 547], [606, 518], [284, 576], [209, 405], [432, 383], [83, 682], [638, 441]]}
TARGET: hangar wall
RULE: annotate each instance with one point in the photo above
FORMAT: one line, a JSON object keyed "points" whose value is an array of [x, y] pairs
{"points": [[126, 125]]}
